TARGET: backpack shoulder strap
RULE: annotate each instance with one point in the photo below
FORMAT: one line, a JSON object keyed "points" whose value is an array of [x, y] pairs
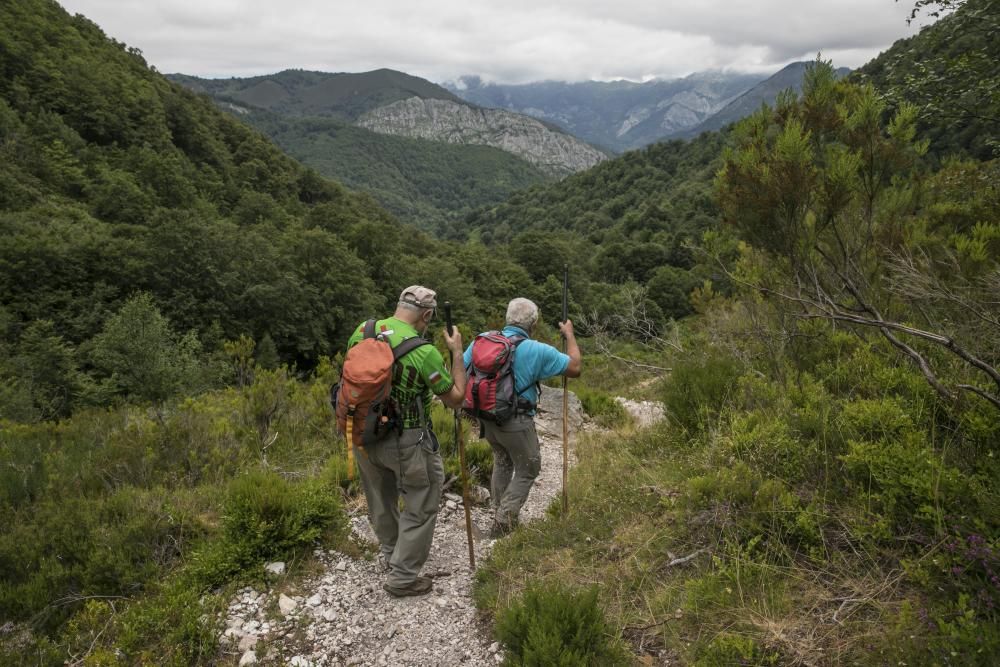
{"points": [[369, 329], [407, 346]]}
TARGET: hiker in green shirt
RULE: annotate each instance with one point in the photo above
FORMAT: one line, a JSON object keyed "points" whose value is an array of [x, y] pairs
{"points": [[407, 460]]}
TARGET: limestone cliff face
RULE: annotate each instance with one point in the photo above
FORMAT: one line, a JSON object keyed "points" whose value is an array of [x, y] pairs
{"points": [[442, 120]]}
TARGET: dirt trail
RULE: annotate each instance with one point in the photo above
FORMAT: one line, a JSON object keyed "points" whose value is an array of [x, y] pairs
{"points": [[343, 617]]}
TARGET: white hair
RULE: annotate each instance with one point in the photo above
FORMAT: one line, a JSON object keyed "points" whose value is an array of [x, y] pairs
{"points": [[406, 305], [522, 313]]}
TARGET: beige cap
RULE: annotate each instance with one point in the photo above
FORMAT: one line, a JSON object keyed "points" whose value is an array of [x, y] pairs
{"points": [[417, 295]]}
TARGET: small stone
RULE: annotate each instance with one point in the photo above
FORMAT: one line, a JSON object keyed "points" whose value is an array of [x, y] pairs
{"points": [[341, 566], [300, 661], [441, 602], [248, 658], [494, 647], [247, 643], [276, 568], [286, 604], [315, 600], [455, 498], [329, 615], [354, 660], [251, 627], [451, 504]]}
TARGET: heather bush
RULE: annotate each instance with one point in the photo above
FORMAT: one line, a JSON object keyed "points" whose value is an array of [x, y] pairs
{"points": [[553, 625]]}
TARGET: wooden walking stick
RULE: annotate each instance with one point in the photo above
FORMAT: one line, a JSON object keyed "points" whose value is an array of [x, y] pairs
{"points": [[565, 405], [461, 455]]}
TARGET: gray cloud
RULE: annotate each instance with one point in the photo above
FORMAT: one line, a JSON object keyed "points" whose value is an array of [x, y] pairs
{"points": [[515, 41]]}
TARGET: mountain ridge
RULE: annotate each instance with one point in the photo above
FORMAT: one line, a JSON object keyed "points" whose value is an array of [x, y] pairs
{"points": [[621, 115], [788, 77], [395, 103]]}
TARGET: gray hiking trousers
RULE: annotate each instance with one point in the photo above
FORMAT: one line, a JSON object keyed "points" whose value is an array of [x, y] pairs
{"points": [[408, 464], [516, 463]]}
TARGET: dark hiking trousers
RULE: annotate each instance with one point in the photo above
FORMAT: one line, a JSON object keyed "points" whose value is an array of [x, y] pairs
{"points": [[516, 463], [407, 464]]}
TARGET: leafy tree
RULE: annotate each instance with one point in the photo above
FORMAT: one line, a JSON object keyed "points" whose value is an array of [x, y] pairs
{"points": [[143, 358], [820, 187], [949, 71], [41, 379]]}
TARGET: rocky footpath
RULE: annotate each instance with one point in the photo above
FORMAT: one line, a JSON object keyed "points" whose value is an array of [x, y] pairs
{"points": [[552, 151], [341, 616]]}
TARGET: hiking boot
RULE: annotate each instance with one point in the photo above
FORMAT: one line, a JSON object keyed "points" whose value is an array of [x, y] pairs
{"points": [[419, 586], [500, 529]]}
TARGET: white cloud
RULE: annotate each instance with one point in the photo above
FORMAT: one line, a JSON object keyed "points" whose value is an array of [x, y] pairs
{"points": [[514, 41]]}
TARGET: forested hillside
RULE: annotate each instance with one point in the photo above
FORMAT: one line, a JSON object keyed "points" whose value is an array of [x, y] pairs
{"points": [[949, 71], [311, 116], [428, 184]]}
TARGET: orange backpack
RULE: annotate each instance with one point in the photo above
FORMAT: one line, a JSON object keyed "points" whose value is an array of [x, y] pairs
{"points": [[362, 399]]}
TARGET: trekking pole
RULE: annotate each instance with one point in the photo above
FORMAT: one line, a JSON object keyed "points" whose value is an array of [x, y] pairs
{"points": [[565, 405], [461, 454]]}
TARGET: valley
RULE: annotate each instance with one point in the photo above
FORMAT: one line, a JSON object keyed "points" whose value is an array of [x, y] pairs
{"points": [[784, 286]]}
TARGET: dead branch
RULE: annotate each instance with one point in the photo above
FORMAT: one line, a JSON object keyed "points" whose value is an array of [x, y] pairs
{"points": [[820, 304], [685, 559]]}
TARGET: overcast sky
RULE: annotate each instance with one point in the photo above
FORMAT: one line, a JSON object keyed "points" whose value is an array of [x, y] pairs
{"points": [[509, 41]]}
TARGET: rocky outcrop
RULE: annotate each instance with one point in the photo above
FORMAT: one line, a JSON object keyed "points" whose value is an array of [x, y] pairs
{"points": [[441, 120]]}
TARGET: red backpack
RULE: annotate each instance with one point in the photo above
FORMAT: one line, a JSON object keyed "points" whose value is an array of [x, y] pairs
{"points": [[362, 401], [490, 393]]}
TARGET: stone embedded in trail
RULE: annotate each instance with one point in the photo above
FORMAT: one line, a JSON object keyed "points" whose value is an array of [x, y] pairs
{"points": [[479, 495], [287, 605], [645, 413], [548, 420], [248, 658]]}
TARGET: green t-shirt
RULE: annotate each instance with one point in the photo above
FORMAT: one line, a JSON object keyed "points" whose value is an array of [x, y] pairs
{"points": [[421, 373]]}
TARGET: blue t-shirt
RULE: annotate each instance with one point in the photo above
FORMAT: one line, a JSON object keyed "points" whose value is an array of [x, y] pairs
{"points": [[533, 362]]}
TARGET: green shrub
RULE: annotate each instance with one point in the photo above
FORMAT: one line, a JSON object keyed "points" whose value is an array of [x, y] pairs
{"points": [[479, 457], [113, 546], [552, 625], [267, 517], [601, 407], [699, 387], [906, 485]]}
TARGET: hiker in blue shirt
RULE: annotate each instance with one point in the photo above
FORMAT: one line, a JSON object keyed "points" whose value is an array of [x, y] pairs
{"points": [[516, 456]]}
